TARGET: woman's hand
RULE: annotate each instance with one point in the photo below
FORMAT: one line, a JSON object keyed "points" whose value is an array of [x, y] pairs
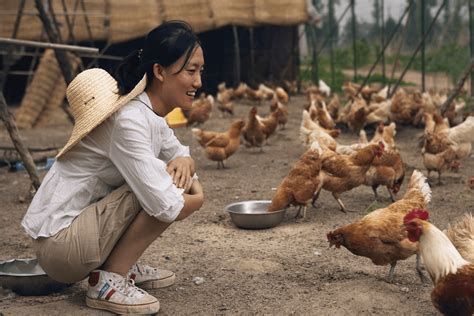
{"points": [[181, 170]]}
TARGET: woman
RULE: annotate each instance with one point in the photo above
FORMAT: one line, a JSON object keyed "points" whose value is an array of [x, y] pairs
{"points": [[123, 177]]}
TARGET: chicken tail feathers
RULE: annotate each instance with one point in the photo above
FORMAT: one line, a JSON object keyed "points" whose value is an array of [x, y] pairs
{"points": [[418, 182]]}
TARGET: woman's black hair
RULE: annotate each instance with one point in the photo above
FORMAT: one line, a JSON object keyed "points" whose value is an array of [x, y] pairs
{"points": [[164, 45]]}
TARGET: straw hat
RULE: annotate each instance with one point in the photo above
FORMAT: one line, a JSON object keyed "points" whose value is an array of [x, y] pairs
{"points": [[93, 97]]}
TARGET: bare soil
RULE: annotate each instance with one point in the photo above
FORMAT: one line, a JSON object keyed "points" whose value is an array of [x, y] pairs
{"points": [[284, 270]]}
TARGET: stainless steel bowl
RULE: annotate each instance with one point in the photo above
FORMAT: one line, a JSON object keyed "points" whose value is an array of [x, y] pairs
{"points": [[254, 214], [26, 277]]}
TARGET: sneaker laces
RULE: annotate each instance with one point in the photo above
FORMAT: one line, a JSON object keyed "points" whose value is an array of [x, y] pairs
{"points": [[142, 269], [126, 286]]}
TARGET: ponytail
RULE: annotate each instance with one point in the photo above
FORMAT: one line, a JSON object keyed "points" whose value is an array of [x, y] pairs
{"points": [[128, 73]]}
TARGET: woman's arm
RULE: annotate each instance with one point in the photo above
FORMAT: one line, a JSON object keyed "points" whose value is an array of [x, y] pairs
{"points": [[182, 170], [192, 200]]}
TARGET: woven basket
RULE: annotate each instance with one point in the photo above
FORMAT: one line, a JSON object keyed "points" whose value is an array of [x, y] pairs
{"points": [[39, 91], [52, 113]]}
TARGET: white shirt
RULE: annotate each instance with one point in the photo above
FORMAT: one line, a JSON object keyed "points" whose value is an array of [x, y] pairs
{"points": [[133, 146]]}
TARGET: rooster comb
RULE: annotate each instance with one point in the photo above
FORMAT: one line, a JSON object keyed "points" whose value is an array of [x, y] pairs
{"points": [[416, 213]]}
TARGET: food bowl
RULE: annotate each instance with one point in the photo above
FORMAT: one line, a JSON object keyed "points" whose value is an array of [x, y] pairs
{"points": [[26, 277], [254, 214]]}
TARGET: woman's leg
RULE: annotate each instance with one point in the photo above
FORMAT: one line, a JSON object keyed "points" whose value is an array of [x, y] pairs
{"points": [[142, 231]]}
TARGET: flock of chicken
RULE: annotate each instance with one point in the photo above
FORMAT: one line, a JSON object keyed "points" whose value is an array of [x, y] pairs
{"points": [[385, 235]]}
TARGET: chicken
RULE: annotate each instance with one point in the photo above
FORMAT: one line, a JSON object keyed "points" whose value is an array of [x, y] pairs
{"points": [[454, 112], [379, 112], [291, 87], [333, 106], [298, 187], [253, 131], [311, 132], [324, 88], [283, 118], [452, 275], [270, 122], [356, 118], [226, 108], [200, 110], [281, 95], [204, 137], [224, 95], [320, 114], [461, 136], [387, 170], [379, 235], [439, 162], [224, 145], [341, 173], [254, 95], [385, 134], [240, 91], [267, 92], [404, 107], [350, 89], [461, 235]]}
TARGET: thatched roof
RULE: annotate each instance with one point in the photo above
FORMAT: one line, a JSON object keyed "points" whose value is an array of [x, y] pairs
{"points": [[121, 20]]}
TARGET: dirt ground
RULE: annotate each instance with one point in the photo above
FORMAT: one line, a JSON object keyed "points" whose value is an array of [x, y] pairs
{"points": [[284, 270]]}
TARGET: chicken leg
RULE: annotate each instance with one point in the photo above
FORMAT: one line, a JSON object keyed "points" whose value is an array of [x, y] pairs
{"points": [[391, 272], [419, 271], [343, 208]]}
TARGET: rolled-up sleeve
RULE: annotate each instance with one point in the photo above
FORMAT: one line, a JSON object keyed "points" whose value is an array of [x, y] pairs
{"points": [[132, 154]]}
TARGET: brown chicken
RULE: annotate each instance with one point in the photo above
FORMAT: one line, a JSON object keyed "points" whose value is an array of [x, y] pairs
{"points": [[379, 235], [334, 106], [291, 87], [310, 132], [253, 131], [226, 108], [404, 107], [357, 116], [270, 122], [239, 92], [387, 170], [204, 137], [224, 95], [298, 187], [341, 173], [439, 162], [283, 119], [452, 275], [200, 110], [222, 146], [385, 134], [281, 95]]}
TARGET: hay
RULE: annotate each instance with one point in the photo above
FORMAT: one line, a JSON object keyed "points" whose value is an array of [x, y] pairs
{"points": [[281, 12], [233, 12], [196, 12]]}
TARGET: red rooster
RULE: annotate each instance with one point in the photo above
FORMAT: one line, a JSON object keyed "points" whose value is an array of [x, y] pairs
{"points": [[453, 277]]}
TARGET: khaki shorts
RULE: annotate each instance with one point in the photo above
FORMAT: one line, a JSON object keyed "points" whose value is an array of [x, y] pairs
{"points": [[75, 251]]}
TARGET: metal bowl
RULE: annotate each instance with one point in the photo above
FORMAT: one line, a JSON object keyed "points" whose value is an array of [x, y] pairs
{"points": [[26, 277], [254, 214]]}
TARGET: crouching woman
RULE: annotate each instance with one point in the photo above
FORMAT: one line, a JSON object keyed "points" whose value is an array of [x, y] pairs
{"points": [[123, 177]]}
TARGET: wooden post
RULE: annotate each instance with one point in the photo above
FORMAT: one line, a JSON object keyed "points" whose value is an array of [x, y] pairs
{"points": [[25, 155], [423, 68], [471, 41], [237, 55], [354, 37]]}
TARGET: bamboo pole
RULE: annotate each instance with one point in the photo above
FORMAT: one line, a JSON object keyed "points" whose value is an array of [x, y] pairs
{"points": [[237, 55], [458, 87], [25, 155], [79, 49]]}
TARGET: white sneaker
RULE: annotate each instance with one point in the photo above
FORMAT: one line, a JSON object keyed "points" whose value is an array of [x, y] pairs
{"points": [[148, 277], [113, 292]]}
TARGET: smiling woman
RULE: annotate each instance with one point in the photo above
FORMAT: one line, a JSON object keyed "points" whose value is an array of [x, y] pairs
{"points": [[123, 177]]}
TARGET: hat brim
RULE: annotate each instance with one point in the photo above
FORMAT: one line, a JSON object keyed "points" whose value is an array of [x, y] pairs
{"points": [[83, 127]]}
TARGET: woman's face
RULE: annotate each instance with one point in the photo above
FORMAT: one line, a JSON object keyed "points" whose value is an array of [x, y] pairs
{"points": [[179, 89]]}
